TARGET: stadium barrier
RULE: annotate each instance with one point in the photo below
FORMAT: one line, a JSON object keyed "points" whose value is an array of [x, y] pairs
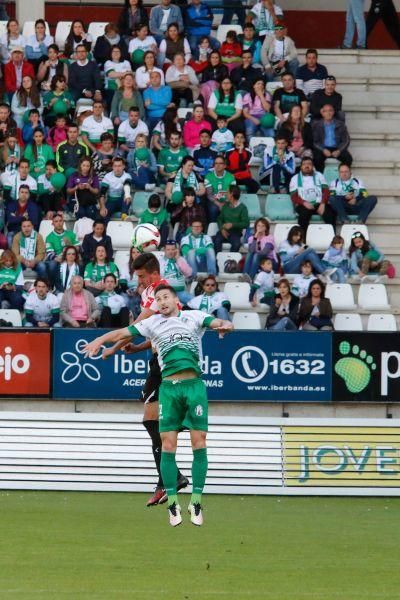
{"points": [[108, 452], [256, 366]]}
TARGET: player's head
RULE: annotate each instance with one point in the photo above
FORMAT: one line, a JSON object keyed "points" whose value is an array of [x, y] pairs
{"points": [[147, 269], [167, 300]]}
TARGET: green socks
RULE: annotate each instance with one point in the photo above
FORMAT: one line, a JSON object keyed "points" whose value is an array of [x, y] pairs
{"points": [[169, 472], [199, 472]]}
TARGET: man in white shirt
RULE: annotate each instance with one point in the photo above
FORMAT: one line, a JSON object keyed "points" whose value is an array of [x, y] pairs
{"points": [[130, 129], [310, 195], [42, 308], [94, 126], [348, 196], [12, 181], [115, 191]]}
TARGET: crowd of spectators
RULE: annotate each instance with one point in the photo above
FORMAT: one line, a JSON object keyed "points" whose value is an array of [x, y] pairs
{"points": [[84, 129]]}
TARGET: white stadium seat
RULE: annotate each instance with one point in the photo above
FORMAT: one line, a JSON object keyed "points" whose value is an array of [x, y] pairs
{"points": [[348, 322], [12, 316], [46, 227], [62, 31], [281, 231], [121, 259], [95, 30], [212, 229], [29, 29], [341, 296], [373, 296], [257, 141], [246, 320], [319, 236], [238, 294], [349, 228], [378, 322], [3, 27], [82, 227], [184, 112], [121, 234], [222, 257], [223, 30]]}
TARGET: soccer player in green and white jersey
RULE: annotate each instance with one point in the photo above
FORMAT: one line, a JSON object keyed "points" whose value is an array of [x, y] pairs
{"points": [[182, 398]]}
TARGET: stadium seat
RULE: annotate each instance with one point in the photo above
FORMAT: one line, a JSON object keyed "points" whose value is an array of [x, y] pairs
{"points": [[238, 294], [184, 112], [331, 172], [378, 322], [95, 30], [212, 229], [341, 296], [348, 322], [140, 202], [82, 227], [3, 27], [373, 296], [279, 207], [319, 236], [121, 258], [348, 229], [272, 86], [281, 231], [222, 257], [62, 31], [258, 141], [12, 316], [121, 234], [223, 30], [252, 203], [29, 29], [246, 320], [46, 227]]}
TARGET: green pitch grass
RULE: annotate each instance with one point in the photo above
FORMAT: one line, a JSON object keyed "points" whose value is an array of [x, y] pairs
{"points": [[103, 546]]}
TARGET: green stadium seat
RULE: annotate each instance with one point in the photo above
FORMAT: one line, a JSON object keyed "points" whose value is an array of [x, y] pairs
{"points": [[253, 205], [331, 173], [316, 219], [140, 202], [279, 207]]}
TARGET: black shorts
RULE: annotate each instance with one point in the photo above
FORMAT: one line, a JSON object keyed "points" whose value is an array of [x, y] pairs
{"points": [[153, 382]]}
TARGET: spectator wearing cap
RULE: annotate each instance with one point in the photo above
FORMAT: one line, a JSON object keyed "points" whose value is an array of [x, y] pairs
{"points": [[310, 195], [348, 196], [327, 95], [16, 70], [355, 20], [279, 53], [330, 139], [311, 76], [84, 77]]}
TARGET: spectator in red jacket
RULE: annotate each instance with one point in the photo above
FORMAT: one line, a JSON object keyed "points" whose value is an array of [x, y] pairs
{"points": [[237, 163], [15, 70]]}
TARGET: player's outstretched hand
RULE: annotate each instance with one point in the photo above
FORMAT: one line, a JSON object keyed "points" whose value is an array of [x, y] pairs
{"points": [[131, 348], [225, 327], [92, 348], [107, 352]]}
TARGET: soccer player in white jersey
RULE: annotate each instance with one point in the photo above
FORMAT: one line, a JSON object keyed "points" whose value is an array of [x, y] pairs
{"points": [[147, 269], [183, 399]]}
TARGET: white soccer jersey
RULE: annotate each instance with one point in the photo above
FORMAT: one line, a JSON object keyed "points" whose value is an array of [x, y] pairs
{"points": [[115, 185], [94, 129], [128, 134], [42, 310]]}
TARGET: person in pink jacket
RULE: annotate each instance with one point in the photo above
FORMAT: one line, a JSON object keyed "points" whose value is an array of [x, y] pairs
{"points": [[192, 128]]}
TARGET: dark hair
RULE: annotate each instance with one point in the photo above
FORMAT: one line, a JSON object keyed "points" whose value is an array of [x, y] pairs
{"points": [[55, 80], [264, 259], [25, 161], [116, 47], [34, 94], [110, 275], [71, 39], [174, 24], [281, 136], [111, 27], [165, 287], [72, 126], [154, 201], [188, 191], [26, 220], [140, 26], [205, 131], [285, 73], [292, 232], [222, 117], [249, 26], [118, 159], [312, 51], [212, 277], [234, 190], [187, 159], [252, 91], [231, 93], [312, 284], [127, 4], [106, 260], [265, 222], [134, 109], [306, 262], [64, 254], [232, 35], [99, 222], [51, 163], [40, 280], [40, 22], [364, 248], [285, 281], [106, 136], [53, 47], [23, 186], [148, 262]]}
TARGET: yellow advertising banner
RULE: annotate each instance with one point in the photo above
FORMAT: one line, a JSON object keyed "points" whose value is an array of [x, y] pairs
{"points": [[341, 456]]}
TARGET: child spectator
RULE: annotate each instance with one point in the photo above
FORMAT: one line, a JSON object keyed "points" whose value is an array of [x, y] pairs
{"points": [[301, 283], [212, 301], [187, 213], [29, 127], [238, 160], [142, 165], [283, 313], [335, 258], [231, 50], [201, 55], [262, 289], [102, 158], [158, 216], [222, 138], [58, 133], [11, 280], [365, 257], [114, 312], [261, 245], [42, 308], [281, 162], [50, 199]]}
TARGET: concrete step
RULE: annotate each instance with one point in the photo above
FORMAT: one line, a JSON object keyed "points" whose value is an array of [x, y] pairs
{"points": [[337, 56], [370, 98], [368, 125], [372, 84], [375, 153]]}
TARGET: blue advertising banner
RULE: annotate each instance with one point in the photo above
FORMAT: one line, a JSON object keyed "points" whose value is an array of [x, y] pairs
{"points": [[244, 366]]}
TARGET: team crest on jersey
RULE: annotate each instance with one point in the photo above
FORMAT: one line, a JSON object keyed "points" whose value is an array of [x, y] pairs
{"points": [[198, 410]]}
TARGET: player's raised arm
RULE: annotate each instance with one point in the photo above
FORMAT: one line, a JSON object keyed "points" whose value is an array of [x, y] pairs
{"points": [[221, 326], [112, 337], [145, 314]]}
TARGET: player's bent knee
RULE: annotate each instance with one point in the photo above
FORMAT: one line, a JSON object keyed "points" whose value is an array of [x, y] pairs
{"points": [[199, 439], [169, 441]]}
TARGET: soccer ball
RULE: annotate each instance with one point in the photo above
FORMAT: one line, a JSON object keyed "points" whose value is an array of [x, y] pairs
{"points": [[146, 237]]}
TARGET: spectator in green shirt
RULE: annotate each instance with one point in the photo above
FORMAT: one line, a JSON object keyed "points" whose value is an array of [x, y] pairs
{"points": [[170, 158], [232, 219], [38, 153], [55, 244], [97, 269], [158, 216], [217, 184]]}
